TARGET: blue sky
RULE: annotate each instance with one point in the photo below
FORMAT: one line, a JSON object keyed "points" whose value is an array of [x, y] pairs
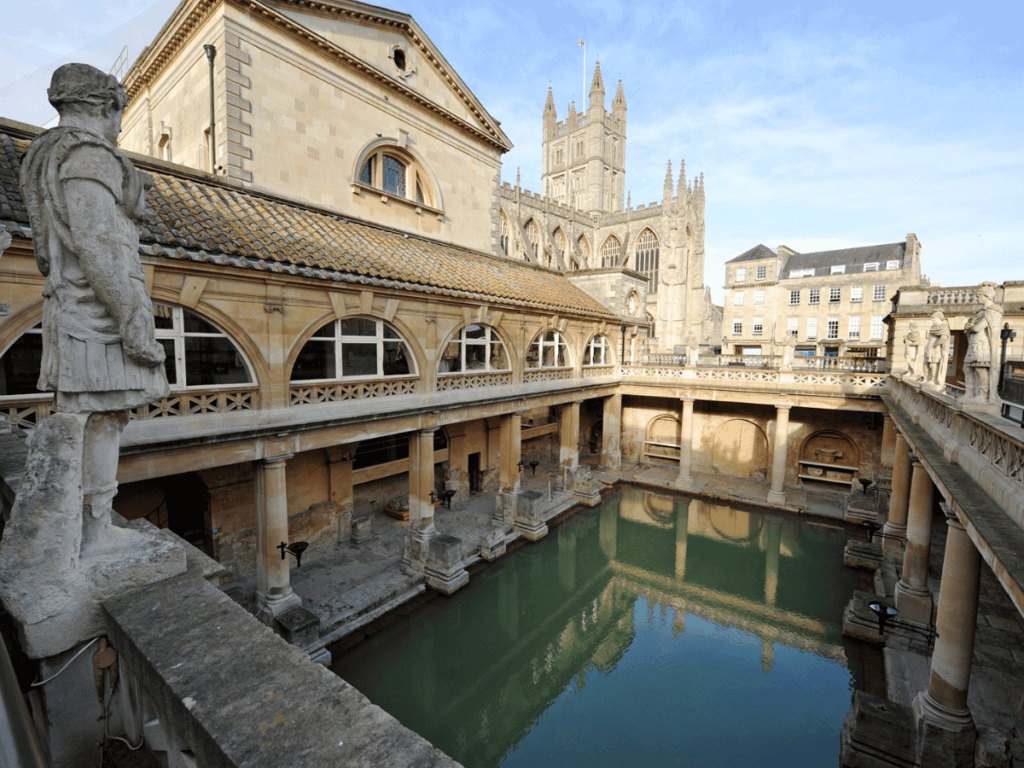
{"points": [[817, 126]]}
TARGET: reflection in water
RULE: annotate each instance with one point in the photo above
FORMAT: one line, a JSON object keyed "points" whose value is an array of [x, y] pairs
{"points": [[651, 630]]}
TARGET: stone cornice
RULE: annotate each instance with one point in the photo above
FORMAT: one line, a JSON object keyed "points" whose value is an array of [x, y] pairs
{"points": [[186, 21]]}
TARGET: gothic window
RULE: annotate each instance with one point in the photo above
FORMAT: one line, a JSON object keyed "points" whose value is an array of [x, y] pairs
{"points": [[506, 233], [475, 348], [584, 249], [610, 252], [548, 350], [598, 352], [533, 235], [353, 348], [198, 353], [646, 261], [560, 245], [651, 330]]}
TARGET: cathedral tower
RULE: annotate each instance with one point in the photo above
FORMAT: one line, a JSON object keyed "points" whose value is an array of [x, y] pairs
{"points": [[585, 154]]}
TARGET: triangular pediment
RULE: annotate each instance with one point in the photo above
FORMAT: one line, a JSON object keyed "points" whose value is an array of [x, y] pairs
{"points": [[372, 35]]}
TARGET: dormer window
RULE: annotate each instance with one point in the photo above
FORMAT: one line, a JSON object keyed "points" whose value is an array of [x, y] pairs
{"points": [[838, 269]]}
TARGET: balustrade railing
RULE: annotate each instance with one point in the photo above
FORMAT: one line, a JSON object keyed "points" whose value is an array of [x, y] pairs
{"points": [[546, 374], [955, 296], [455, 381], [598, 371], [335, 392]]}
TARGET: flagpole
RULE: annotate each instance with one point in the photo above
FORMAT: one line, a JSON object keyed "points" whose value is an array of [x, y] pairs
{"points": [[583, 93]]}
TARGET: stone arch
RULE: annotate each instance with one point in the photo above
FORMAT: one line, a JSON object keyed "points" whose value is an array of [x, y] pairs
{"points": [[740, 449], [505, 235], [830, 446], [533, 237], [662, 438], [646, 257], [561, 248], [583, 246], [410, 157], [496, 334]]}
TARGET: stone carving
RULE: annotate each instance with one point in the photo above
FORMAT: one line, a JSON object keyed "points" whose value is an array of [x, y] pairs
{"points": [[937, 352], [85, 200], [692, 351], [5, 243], [981, 369], [788, 350], [912, 342]]}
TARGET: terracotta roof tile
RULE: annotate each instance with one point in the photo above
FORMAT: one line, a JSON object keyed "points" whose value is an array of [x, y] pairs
{"points": [[198, 221]]}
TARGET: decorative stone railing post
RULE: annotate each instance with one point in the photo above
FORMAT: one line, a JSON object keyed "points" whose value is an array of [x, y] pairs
{"points": [[685, 479], [946, 730], [777, 494], [913, 599], [273, 587]]}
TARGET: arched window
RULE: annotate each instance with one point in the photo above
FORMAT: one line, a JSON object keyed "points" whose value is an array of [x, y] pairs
{"points": [[533, 235], [506, 233], [19, 366], [475, 348], [584, 249], [548, 351], [393, 171], [646, 261], [356, 347], [560, 245], [598, 351], [198, 353], [610, 252], [651, 331]]}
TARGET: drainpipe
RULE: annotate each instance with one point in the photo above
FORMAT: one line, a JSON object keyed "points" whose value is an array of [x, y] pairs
{"points": [[622, 357], [211, 54]]}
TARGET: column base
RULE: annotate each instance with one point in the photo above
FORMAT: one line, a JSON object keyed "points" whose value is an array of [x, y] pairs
{"points": [[444, 569], [529, 515], [876, 733], [945, 737], [684, 483], [914, 604], [611, 460], [777, 497], [505, 507], [273, 605], [417, 549]]}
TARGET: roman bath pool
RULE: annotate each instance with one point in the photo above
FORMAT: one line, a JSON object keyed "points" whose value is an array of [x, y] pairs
{"points": [[651, 630]]}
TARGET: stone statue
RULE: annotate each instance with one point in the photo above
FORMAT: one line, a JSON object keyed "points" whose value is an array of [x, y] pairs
{"points": [[85, 200], [692, 351], [912, 342], [937, 352], [788, 350], [981, 369], [5, 243]]}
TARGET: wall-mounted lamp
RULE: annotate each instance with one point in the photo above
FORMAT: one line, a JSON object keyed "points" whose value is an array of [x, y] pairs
{"points": [[533, 466], [296, 549], [865, 484], [883, 612], [887, 615], [873, 527]]}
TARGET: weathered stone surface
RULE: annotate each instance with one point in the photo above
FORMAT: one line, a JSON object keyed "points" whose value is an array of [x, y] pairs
{"points": [[863, 554], [492, 546], [299, 627], [530, 515], [877, 733], [362, 529], [444, 569], [239, 695]]}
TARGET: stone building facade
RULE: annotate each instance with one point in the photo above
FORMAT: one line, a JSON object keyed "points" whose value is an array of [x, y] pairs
{"points": [[831, 303]]}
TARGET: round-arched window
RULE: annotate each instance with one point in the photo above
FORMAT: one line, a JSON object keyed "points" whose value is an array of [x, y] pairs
{"points": [[548, 350], [198, 353], [598, 351], [353, 348], [390, 169], [475, 348]]}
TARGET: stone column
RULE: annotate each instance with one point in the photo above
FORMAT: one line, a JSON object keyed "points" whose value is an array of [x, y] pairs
{"points": [[685, 479], [945, 725], [898, 502], [509, 475], [339, 474], [777, 494], [608, 531], [913, 600], [273, 588], [569, 432], [888, 454], [421, 507], [567, 557], [611, 429]]}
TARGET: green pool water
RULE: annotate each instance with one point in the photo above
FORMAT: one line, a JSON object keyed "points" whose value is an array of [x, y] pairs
{"points": [[653, 630]]}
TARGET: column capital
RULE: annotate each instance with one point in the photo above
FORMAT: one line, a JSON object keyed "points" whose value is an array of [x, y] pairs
{"points": [[951, 517], [783, 406], [427, 430], [273, 461]]}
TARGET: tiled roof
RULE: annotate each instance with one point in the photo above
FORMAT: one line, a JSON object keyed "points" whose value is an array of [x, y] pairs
{"points": [[849, 257], [754, 254], [221, 224]]}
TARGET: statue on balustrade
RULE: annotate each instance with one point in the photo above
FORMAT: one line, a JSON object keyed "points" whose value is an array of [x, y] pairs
{"points": [[86, 200], [912, 342], [788, 349], [937, 352], [692, 351], [981, 369]]}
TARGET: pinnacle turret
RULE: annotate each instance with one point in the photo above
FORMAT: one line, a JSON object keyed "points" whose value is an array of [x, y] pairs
{"points": [[620, 97], [549, 105], [668, 183], [681, 185], [597, 88]]}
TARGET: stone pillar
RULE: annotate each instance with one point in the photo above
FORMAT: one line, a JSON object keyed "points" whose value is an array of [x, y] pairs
{"points": [[611, 431], [273, 588], [898, 502], [421, 507], [509, 475], [567, 557], [608, 531], [682, 531], [339, 474], [777, 494], [569, 432], [945, 726], [888, 454], [685, 479], [773, 548], [913, 600]]}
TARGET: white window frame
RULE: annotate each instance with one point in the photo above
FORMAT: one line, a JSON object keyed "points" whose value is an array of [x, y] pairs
{"points": [[741, 274], [794, 298], [853, 327], [838, 269], [759, 296], [857, 293], [178, 334], [894, 264], [377, 338], [835, 295], [598, 352], [871, 266], [814, 296], [758, 326], [793, 327], [737, 326], [812, 328], [738, 298], [877, 327], [762, 272], [878, 294], [832, 327], [487, 340], [542, 343]]}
